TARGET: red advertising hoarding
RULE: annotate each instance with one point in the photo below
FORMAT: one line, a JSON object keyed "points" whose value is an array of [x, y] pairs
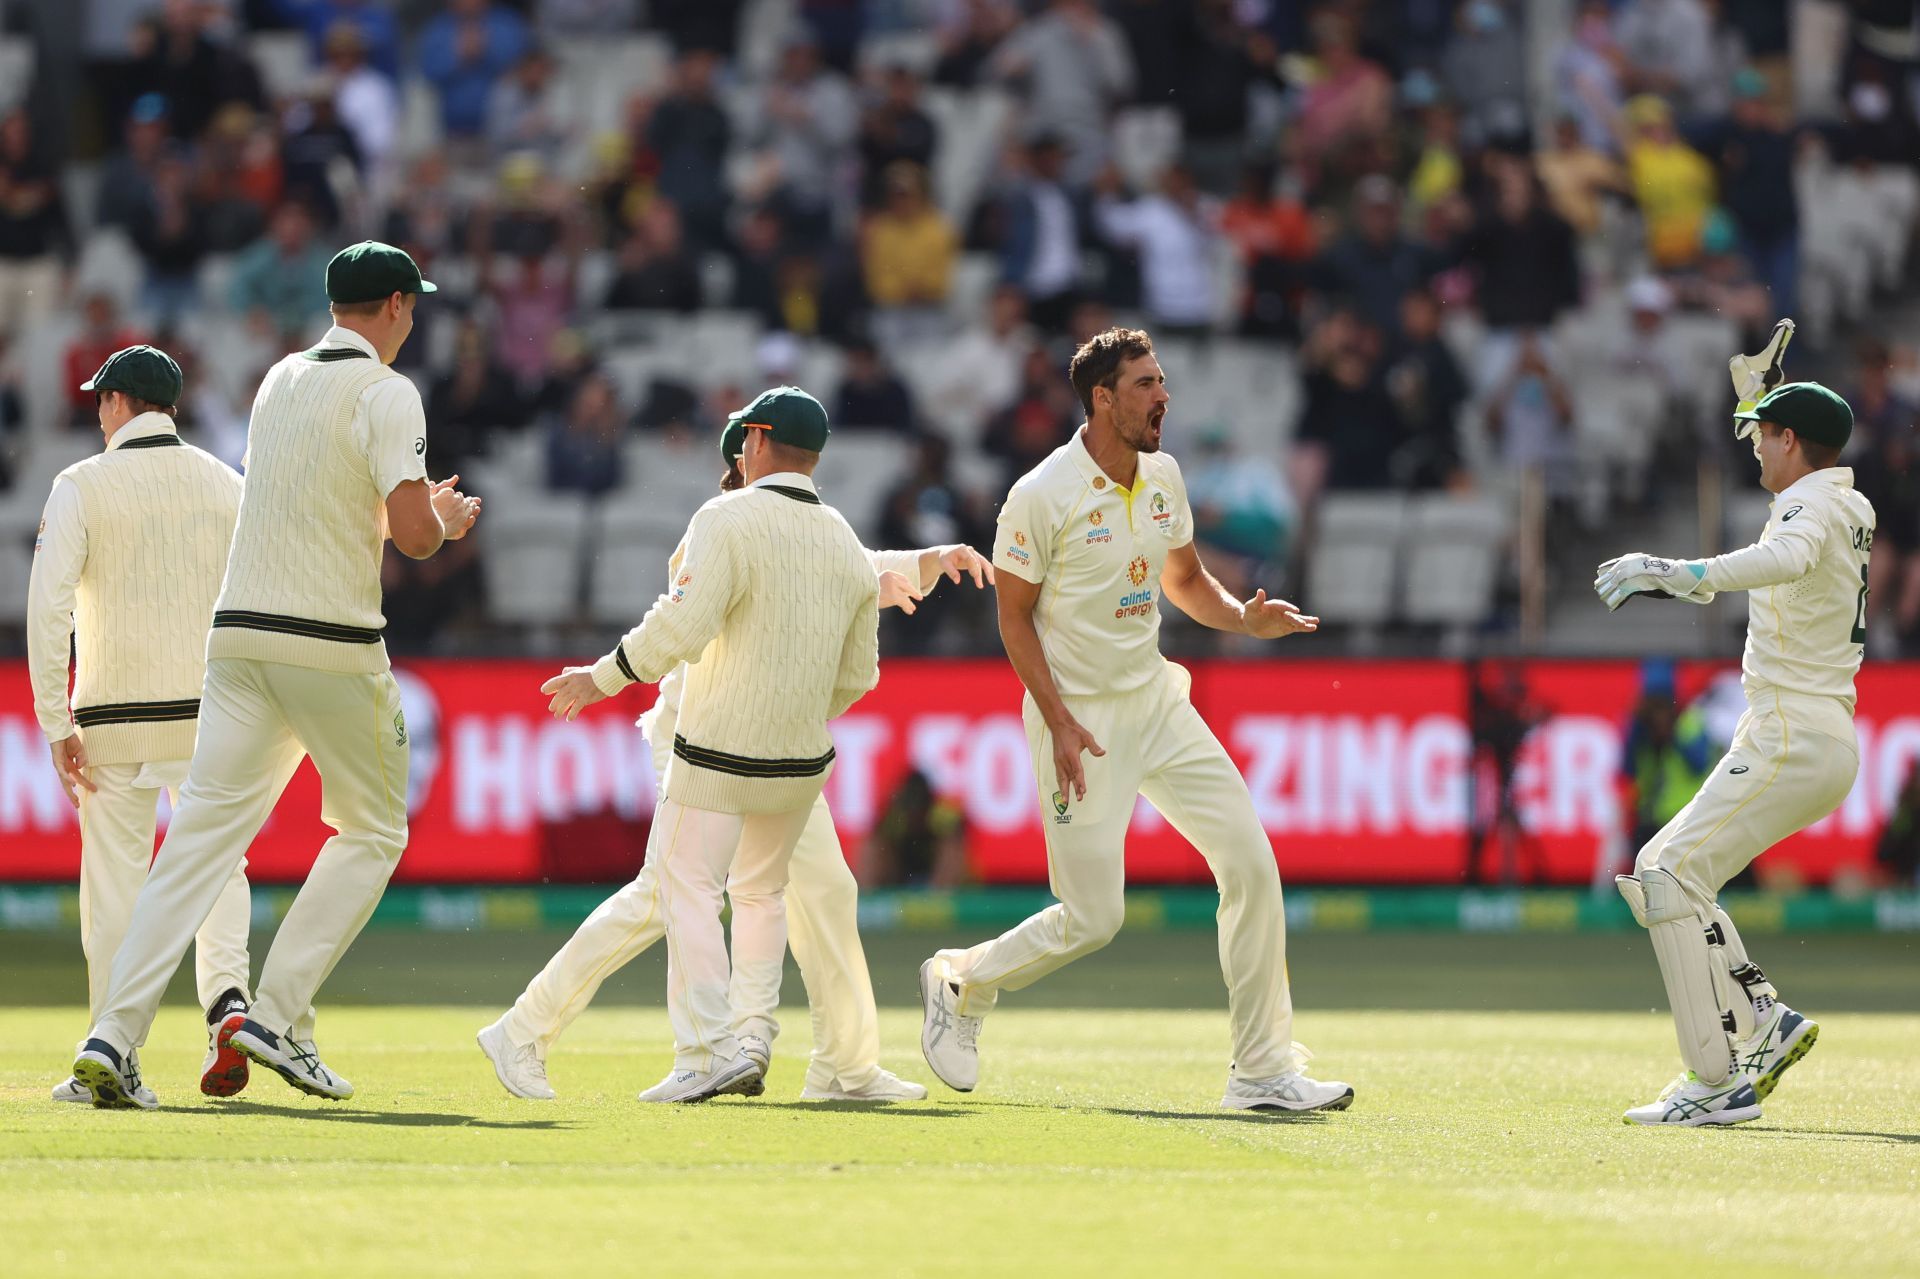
{"points": [[1362, 772]]}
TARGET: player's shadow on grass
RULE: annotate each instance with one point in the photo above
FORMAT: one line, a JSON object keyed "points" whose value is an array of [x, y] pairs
{"points": [[1304, 1117], [1881, 1138], [391, 1118], [907, 1111]]}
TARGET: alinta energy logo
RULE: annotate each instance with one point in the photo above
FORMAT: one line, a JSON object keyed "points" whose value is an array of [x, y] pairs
{"points": [[1097, 533], [1136, 603]]}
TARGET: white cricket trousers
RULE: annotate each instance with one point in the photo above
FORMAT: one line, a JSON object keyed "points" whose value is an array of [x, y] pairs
{"points": [[822, 911], [1158, 746], [701, 854], [257, 721], [117, 822]]}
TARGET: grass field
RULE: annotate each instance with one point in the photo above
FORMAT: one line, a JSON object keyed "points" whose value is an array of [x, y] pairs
{"points": [[1485, 1139]]}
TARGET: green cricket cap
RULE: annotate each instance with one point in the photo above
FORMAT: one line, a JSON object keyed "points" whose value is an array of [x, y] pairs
{"points": [[789, 416], [1808, 409], [733, 437], [371, 272], [144, 372]]}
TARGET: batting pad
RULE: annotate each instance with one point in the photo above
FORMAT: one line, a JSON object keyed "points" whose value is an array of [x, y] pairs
{"points": [[1696, 978]]}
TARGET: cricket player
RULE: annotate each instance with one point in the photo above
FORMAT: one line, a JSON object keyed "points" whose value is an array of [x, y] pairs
{"points": [[1793, 758], [775, 612], [296, 667], [131, 548], [822, 899], [1088, 542]]}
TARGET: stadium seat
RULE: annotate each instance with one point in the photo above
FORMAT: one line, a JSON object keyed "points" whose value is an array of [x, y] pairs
{"points": [[1453, 561], [16, 70], [284, 60], [1745, 514], [858, 470], [533, 559], [1357, 542], [628, 563]]}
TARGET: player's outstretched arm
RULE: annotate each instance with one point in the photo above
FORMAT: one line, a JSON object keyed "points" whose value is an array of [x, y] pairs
{"points": [[1017, 599], [1199, 595]]}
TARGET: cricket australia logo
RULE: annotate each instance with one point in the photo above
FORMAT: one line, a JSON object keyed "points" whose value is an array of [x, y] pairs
{"points": [[399, 728], [1061, 817], [1162, 513]]}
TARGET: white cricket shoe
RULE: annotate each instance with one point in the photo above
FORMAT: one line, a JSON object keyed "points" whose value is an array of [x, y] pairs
{"points": [[1690, 1102], [113, 1082], [1291, 1091], [949, 1041], [760, 1053], [883, 1089], [1783, 1040], [71, 1089], [521, 1068], [294, 1060], [735, 1076]]}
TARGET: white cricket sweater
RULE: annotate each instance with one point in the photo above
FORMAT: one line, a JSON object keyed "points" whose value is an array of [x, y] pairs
{"points": [[303, 580], [775, 607], [135, 542]]}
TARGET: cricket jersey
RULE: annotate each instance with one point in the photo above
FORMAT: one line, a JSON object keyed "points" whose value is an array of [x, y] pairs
{"points": [[1095, 549]]}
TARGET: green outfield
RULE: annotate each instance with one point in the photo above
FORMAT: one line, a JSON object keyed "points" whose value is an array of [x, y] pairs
{"points": [[1485, 1140]]}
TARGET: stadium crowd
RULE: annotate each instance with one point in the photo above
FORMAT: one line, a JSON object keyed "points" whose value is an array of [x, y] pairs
{"points": [[1389, 246]]}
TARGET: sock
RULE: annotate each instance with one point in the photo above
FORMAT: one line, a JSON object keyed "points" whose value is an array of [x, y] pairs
{"points": [[225, 1004]]}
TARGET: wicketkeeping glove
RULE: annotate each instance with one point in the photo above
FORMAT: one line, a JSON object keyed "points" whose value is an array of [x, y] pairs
{"points": [[1755, 375], [1619, 580]]}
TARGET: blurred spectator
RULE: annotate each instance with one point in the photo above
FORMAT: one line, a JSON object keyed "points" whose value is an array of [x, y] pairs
{"points": [[583, 444], [919, 841], [1346, 111], [364, 98], [1072, 68], [1438, 172], [102, 333], [1429, 388], [1724, 284], [1176, 232], [1644, 353], [175, 57], [238, 178], [468, 403], [280, 281], [526, 218], [569, 362], [894, 129], [1530, 417], [1897, 852], [907, 253], [1587, 75], [689, 134], [1672, 182], [586, 18], [1040, 418], [319, 157], [533, 296], [374, 23], [756, 266], [167, 233], [13, 410], [425, 218], [1243, 510], [1522, 252], [1485, 68], [1756, 169], [1217, 62], [1158, 33], [463, 52], [713, 25], [969, 33], [803, 132], [1666, 756], [1879, 126], [1374, 265], [656, 272], [1879, 410], [1040, 246], [125, 197], [835, 27], [213, 407], [1578, 176], [1349, 426], [1277, 240], [1727, 56], [671, 407], [1668, 47], [33, 225], [534, 109], [1887, 473], [980, 369], [927, 507], [871, 394]]}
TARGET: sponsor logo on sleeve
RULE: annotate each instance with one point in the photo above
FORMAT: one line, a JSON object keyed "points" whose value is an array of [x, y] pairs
{"points": [[1790, 513], [680, 587], [1017, 550], [420, 447], [40, 538]]}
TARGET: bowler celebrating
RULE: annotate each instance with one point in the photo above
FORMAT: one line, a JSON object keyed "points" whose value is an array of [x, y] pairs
{"points": [[1084, 540], [1793, 758], [296, 666]]}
